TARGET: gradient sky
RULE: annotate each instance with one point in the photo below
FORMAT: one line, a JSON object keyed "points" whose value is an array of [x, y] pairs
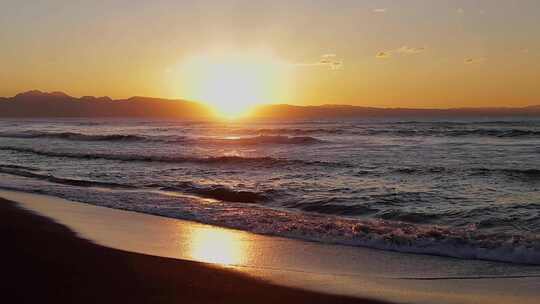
{"points": [[414, 53]]}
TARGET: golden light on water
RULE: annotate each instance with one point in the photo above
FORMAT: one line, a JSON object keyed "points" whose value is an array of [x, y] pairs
{"points": [[217, 246], [233, 83]]}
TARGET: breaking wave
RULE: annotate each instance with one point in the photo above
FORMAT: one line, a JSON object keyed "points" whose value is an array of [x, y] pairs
{"points": [[219, 192], [465, 243]]}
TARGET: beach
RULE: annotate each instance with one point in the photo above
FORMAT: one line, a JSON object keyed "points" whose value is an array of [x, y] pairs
{"points": [[270, 152], [46, 262], [124, 254]]}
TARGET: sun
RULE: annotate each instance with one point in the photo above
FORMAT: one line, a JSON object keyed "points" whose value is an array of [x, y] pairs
{"points": [[232, 83]]}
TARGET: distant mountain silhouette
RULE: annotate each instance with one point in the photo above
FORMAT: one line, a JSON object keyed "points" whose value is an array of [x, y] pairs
{"points": [[37, 104], [284, 111], [58, 104]]}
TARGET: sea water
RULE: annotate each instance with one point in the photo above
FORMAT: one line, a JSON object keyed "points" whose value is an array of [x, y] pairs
{"points": [[462, 188]]}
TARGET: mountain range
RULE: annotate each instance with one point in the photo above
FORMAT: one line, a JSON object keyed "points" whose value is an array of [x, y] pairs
{"points": [[37, 104], [33, 104]]}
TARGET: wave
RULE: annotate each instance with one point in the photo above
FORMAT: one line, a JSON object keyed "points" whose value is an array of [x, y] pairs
{"points": [[496, 133], [58, 180], [465, 243], [278, 136], [500, 133], [424, 129], [422, 170], [437, 130], [218, 160], [242, 141], [335, 209], [462, 123], [258, 140], [10, 166], [74, 136], [409, 217], [508, 172], [265, 139], [291, 131], [523, 173], [219, 192]]}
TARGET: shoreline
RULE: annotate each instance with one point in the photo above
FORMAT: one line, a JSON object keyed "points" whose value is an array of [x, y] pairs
{"points": [[49, 263], [387, 235], [322, 268]]}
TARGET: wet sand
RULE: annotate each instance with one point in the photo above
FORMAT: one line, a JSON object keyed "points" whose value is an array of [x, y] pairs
{"points": [[45, 262], [240, 258]]}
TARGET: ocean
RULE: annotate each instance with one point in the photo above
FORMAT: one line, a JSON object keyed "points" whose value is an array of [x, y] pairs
{"points": [[459, 188]]}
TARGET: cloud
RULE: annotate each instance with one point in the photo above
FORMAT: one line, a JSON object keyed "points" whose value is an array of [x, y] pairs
{"points": [[380, 10], [383, 55], [478, 60], [327, 58], [404, 51], [330, 61], [336, 65], [410, 50]]}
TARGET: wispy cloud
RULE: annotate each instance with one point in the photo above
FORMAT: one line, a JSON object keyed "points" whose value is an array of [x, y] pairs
{"points": [[478, 60], [380, 10], [410, 50], [462, 11], [330, 61], [404, 51], [327, 58], [383, 55]]}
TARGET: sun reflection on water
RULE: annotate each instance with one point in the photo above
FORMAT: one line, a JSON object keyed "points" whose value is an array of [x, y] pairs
{"points": [[217, 246]]}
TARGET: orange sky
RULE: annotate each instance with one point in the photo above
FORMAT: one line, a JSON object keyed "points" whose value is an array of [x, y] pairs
{"points": [[417, 53]]}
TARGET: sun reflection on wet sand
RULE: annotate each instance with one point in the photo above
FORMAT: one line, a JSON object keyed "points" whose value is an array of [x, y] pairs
{"points": [[216, 246], [331, 269]]}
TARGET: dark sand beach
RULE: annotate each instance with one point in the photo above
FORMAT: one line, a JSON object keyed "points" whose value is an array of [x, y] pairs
{"points": [[45, 262]]}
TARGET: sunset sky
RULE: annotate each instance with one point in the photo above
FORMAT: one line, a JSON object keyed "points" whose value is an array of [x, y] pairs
{"points": [[414, 53]]}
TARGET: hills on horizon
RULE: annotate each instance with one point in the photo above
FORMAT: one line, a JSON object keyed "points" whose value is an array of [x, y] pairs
{"points": [[37, 104]]}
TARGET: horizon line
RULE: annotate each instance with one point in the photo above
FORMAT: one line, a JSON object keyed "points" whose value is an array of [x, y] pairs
{"points": [[63, 93]]}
